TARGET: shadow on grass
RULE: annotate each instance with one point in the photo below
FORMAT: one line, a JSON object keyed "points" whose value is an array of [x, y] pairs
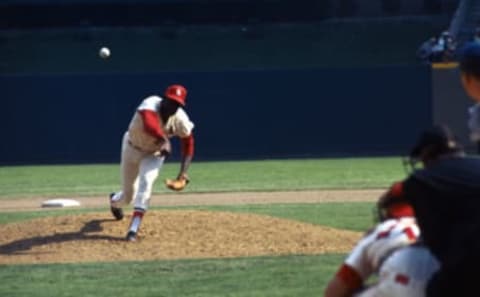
{"points": [[18, 246]]}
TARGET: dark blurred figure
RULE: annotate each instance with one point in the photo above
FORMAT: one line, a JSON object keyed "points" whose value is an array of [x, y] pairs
{"points": [[447, 46], [426, 51], [445, 195], [469, 60], [438, 50], [476, 35]]}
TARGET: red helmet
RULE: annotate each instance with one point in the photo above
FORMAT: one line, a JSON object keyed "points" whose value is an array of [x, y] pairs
{"points": [[176, 93]]}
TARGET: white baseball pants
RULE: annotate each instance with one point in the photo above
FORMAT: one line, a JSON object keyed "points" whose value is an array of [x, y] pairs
{"points": [[139, 170]]}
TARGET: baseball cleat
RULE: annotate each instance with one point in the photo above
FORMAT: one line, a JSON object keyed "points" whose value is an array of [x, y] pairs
{"points": [[131, 236], [116, 211]]}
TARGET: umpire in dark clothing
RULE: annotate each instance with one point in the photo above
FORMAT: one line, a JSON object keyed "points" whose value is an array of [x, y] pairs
{"points": [[445, 195]]}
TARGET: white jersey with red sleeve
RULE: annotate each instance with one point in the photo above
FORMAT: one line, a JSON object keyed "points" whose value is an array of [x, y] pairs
{"points": [[146, 126], [367, 256]]}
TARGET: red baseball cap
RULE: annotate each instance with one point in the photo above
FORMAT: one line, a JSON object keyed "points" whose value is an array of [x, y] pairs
{"points": [[177, 93]]}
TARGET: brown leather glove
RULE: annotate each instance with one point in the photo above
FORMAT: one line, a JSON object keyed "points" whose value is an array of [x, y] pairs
{"points": [[177, 184]]}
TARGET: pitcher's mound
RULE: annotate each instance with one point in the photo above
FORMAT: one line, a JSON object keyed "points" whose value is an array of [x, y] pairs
{"points": [[166, 234]]}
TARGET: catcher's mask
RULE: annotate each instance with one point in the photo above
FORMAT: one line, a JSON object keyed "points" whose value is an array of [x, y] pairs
{"points": [[432, 143]]}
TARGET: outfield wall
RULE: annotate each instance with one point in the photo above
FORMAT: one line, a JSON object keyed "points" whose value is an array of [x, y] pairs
{"points": [[238, 114]]}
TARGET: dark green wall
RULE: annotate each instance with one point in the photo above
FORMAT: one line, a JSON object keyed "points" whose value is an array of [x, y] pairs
{"points": [[60, 13]]}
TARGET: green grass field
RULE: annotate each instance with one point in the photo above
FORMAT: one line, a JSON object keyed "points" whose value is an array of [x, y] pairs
{"points": [[268, 175], [294, 275]]}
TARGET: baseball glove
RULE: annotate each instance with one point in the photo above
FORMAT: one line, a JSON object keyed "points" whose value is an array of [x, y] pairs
{"points": [[177, 184]]}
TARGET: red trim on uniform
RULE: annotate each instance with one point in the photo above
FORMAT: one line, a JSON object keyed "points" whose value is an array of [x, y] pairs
{"points": [[350, 276], [400, 210], [188, 145], [410, 234], [402, 279], [151, 123], [385, 233], [138, 213]]}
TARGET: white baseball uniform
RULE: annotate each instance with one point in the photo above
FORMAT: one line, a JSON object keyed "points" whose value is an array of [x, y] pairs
{"points": [[141, 160], [372, 254], [405, 273]]}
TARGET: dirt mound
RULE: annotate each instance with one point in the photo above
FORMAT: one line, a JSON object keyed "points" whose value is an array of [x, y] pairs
{"points": [[172, 234]]}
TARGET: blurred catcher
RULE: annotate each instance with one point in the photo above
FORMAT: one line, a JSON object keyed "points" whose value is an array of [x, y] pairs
{"points": [[145, 146], [389, 250], [445, 197], [439, 200]]}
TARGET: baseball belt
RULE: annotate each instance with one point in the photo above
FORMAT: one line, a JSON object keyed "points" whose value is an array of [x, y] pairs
{"points": [[136, 147]]}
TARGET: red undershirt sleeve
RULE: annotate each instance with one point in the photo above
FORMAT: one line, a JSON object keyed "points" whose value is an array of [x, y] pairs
{"points": [[188, 145], [151, 123], [351, 277]]}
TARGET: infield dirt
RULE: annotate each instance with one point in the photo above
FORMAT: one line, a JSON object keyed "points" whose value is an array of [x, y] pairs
{"points": [[174, 234]]}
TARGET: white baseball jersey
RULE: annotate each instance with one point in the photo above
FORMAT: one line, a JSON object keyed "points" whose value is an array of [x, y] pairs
{"points": [[178, 124], [141, 162], [376, 246]]}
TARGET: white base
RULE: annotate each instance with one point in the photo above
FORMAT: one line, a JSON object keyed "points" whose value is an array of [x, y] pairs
{"points": [[60, 203]]}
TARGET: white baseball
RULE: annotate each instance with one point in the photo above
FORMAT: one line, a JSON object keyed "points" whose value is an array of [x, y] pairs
{"points": [[104, 52]]}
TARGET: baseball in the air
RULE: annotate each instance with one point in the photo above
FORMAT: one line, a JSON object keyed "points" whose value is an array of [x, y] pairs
{"points": [[104, 52]]}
